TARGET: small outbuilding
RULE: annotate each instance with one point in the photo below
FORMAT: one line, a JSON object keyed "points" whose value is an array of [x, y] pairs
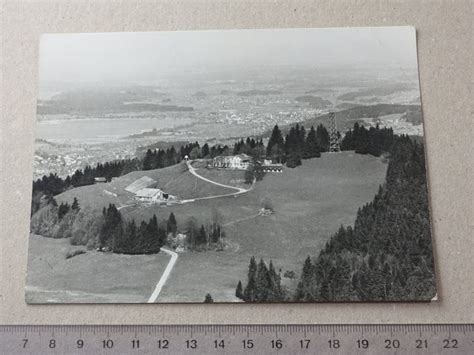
{"points": [[99, 180], [268, 166]]}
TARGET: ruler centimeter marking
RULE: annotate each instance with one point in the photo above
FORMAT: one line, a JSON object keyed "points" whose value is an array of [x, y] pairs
{"points": [[238, 339]]}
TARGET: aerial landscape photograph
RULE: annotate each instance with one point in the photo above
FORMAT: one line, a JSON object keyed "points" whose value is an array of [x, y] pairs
{"points": [[272, 165]]}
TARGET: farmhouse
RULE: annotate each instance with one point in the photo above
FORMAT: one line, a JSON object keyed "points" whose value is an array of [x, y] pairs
{"points": [[150, 195], [238, 162]]}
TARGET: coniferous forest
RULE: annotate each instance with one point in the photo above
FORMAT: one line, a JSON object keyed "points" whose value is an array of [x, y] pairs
{"points": [[387, 255], [263, 284], [124, 237]]}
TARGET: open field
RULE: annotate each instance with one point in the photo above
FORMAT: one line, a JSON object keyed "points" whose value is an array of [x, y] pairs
{"points": [[91, 277], [175, 180], [310, 203]]}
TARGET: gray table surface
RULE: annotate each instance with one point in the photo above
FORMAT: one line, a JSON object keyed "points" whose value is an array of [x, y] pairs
{"points": [[444, 35]]}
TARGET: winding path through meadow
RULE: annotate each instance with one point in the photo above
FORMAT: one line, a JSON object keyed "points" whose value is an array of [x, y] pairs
{"points": [[164, 277], [174, 256]]}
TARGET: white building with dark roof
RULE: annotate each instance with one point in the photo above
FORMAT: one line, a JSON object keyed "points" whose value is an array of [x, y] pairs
{"points": [[238, 162], [150, 195]]}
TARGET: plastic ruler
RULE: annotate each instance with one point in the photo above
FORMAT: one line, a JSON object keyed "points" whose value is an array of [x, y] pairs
{"points": [[238, 339]]}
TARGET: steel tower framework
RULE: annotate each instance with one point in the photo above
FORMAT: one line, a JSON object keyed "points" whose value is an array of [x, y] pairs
{"points": [[334, 141]]}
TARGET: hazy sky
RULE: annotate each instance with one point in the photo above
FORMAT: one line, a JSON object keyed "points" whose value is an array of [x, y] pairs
{"points": [[148, 55]]}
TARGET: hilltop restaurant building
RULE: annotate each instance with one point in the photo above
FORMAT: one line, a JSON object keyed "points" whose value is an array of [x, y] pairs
{"points": [[238, 162]]}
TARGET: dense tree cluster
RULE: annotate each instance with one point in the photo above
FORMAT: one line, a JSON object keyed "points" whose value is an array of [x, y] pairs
{"points": [[263, 284], [316, 142], [127, 237], [160, 158], [51, 185], [297, 145], [195, 151], [387, 255], [106, 230], [63, 221], [252, 147], [374, 140], [204, 238]]}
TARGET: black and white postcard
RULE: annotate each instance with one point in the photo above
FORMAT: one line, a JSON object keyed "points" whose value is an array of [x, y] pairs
{"points": [[230, 166]]}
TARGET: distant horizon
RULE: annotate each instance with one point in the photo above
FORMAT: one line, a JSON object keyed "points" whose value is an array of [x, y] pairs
{"points": [[227, 71], [129, 57]]}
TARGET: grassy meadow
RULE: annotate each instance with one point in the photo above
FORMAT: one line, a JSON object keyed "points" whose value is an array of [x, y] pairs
{"points": [[310, 203], [92, 277], [175, 180]]}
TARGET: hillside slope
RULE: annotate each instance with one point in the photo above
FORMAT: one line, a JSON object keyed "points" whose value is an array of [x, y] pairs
{"points": [[175, 180], [92, 277], [310, 202]]}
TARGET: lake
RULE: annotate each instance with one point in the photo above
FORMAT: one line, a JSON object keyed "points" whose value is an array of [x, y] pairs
{"points": [[102, 129]]}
